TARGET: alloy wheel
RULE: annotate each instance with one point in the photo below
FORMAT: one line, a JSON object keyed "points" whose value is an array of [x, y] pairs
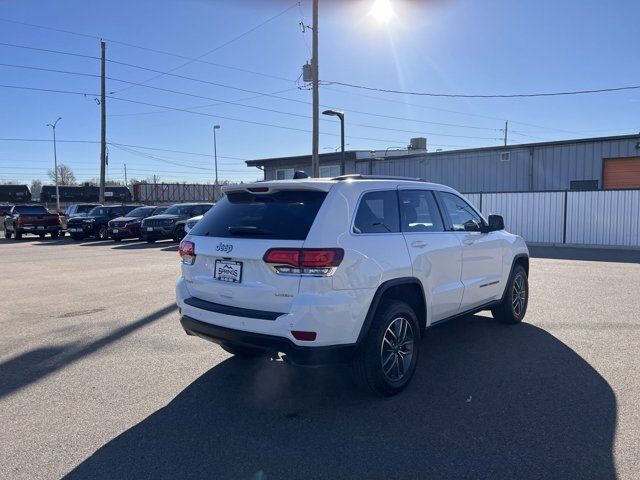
{"points": [[519, 295], [396, 350]]}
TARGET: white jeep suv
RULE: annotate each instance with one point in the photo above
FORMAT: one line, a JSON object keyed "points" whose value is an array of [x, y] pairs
{"points": [[350, 269]]}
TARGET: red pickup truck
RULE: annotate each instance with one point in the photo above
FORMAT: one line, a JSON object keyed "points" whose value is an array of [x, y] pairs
{"points": [[34, 219]]}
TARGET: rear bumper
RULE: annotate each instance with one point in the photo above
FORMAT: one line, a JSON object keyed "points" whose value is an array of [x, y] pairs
{"points": [[297, 354], [36, 229]]}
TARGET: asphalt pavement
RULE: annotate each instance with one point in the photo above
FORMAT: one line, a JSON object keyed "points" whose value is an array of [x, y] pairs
{"points": [[98, 380]]}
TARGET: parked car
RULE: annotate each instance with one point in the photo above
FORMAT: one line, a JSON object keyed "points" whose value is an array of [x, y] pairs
{"points": [[128, 226], [33, 219], [351, 269], [170, 224], [5, 210], [160, 210], [191, 223], [76, 210], [95, 223]]}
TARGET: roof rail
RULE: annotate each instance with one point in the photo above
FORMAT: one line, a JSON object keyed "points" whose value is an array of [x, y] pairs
{"points": [[359, 176]]}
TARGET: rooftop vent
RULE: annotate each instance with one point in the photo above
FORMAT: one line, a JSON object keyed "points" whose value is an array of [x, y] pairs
{"points": [[418, 143]]}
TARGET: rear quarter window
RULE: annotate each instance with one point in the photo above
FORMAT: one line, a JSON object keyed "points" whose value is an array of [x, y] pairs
{"points": [[283, 215]]}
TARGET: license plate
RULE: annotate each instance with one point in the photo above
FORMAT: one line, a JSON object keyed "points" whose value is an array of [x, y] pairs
{"points": [[115, 230], [40, 228], [149, 229], [228, 271], [75, 230]]}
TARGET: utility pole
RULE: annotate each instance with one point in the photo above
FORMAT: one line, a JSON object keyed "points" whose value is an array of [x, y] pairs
{"points": [[55, 161], [215, 160], [103, 124], [126, 184], [506, 131], [315, 159]]}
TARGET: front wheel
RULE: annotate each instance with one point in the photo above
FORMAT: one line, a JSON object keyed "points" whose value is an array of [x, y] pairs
{"points": [[18, 234], [179, 234], [513, 306], [387, 358], [7, 233], [103, 233]]}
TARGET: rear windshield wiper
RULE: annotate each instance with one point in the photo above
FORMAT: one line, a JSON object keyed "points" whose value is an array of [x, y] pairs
{"points": [[247, 230]]}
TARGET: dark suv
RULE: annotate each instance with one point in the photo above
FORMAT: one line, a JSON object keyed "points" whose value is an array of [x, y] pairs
{"points": [[95, 224], [171, 223], [128, 226]]}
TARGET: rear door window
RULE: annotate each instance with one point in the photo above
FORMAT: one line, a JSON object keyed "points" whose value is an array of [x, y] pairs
{"points": [[377, 213], [283, 215], [419, 212]]}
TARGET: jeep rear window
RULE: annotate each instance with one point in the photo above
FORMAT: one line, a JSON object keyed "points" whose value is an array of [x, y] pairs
{"points": [[283, 215]]}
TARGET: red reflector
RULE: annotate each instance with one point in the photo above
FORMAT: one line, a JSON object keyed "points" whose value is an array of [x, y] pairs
{"points": [[304, 336], [258, 189], [305, 257]]}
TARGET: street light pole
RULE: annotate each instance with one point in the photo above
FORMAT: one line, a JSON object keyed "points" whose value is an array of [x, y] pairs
{"points": [[55, 161], [340, 115], [215, 158]]}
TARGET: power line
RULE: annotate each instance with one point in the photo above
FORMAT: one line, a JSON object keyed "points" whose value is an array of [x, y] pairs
{"points": [[464, 95], [220, 101], [228, 42]]}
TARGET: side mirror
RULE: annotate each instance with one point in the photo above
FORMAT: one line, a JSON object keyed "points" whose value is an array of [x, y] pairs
{"points": [[496, 223]]}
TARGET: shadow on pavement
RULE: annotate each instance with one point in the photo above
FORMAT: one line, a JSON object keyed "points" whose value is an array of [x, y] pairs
{"points": [[589, 254], [31, 366], [487, 401]]}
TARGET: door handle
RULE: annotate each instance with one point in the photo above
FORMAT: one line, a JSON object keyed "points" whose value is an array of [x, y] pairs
{"points": [[469, 241], [419, 244]]}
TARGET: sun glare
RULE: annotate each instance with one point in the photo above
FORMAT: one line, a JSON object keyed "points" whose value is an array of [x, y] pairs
{"points": [[382, 11]]}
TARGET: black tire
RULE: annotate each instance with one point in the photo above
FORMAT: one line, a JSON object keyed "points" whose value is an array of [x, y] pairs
{"points": [[512, 310], [7, 234], [61, 233], [18, 234], [42, 235], [178, 233], [55, 234], [244, 352], [77, 237], [151, 240], [103, 233], [117, 239], [371, 367]]}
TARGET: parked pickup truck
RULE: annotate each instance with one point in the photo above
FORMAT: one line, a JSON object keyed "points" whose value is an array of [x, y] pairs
{"points": [[34, 219]]}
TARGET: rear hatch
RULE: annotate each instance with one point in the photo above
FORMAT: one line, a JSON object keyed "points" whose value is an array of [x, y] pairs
{"points": [[43, 220], [232, 239]]}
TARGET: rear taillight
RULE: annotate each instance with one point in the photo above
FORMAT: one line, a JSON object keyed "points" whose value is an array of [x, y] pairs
{"points": [[187, 252], [59, 221], [306, 261], [20, 221]]}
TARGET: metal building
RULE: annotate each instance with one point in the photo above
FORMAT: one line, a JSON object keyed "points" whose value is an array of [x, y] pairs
{"points": [[583, 164]]}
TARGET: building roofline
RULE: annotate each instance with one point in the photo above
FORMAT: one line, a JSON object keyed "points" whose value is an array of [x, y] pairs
{"points": [[350, 154]]}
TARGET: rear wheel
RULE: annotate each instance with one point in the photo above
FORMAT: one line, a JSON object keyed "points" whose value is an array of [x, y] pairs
{"points": [[387, 358], [513, 307], [7, 234], [18, 234], [55, 234], [244, 352]]}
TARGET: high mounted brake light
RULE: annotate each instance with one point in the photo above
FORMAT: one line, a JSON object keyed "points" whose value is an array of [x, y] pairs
{"points": [[187, 252], [307, 261]]}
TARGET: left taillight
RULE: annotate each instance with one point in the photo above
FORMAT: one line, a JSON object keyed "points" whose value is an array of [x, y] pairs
{"points": [[59, 221], [305, 261], [187, 252]]}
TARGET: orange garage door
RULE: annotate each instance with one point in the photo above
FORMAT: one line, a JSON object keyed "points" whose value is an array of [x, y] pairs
{"points": [[621, 172]]}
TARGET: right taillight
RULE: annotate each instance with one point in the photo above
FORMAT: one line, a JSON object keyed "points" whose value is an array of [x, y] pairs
{"points": [[187, 252], [305, 261], [20, 221]]}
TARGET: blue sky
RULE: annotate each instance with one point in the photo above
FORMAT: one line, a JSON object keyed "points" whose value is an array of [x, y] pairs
{"points": [[455, 46]]}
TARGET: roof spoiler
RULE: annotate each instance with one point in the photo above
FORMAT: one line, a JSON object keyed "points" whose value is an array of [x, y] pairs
{"points": [[359, 176]]}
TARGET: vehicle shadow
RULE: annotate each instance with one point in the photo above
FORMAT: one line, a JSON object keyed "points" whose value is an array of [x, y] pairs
{"points": [[137, 245], [487, 401], [587, 254], [31, 366]]}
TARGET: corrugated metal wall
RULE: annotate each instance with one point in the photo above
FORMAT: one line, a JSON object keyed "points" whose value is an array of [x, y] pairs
{"points": [[530, 168], [604, 218], [596, 218], [536, 216], [159, 193]]}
